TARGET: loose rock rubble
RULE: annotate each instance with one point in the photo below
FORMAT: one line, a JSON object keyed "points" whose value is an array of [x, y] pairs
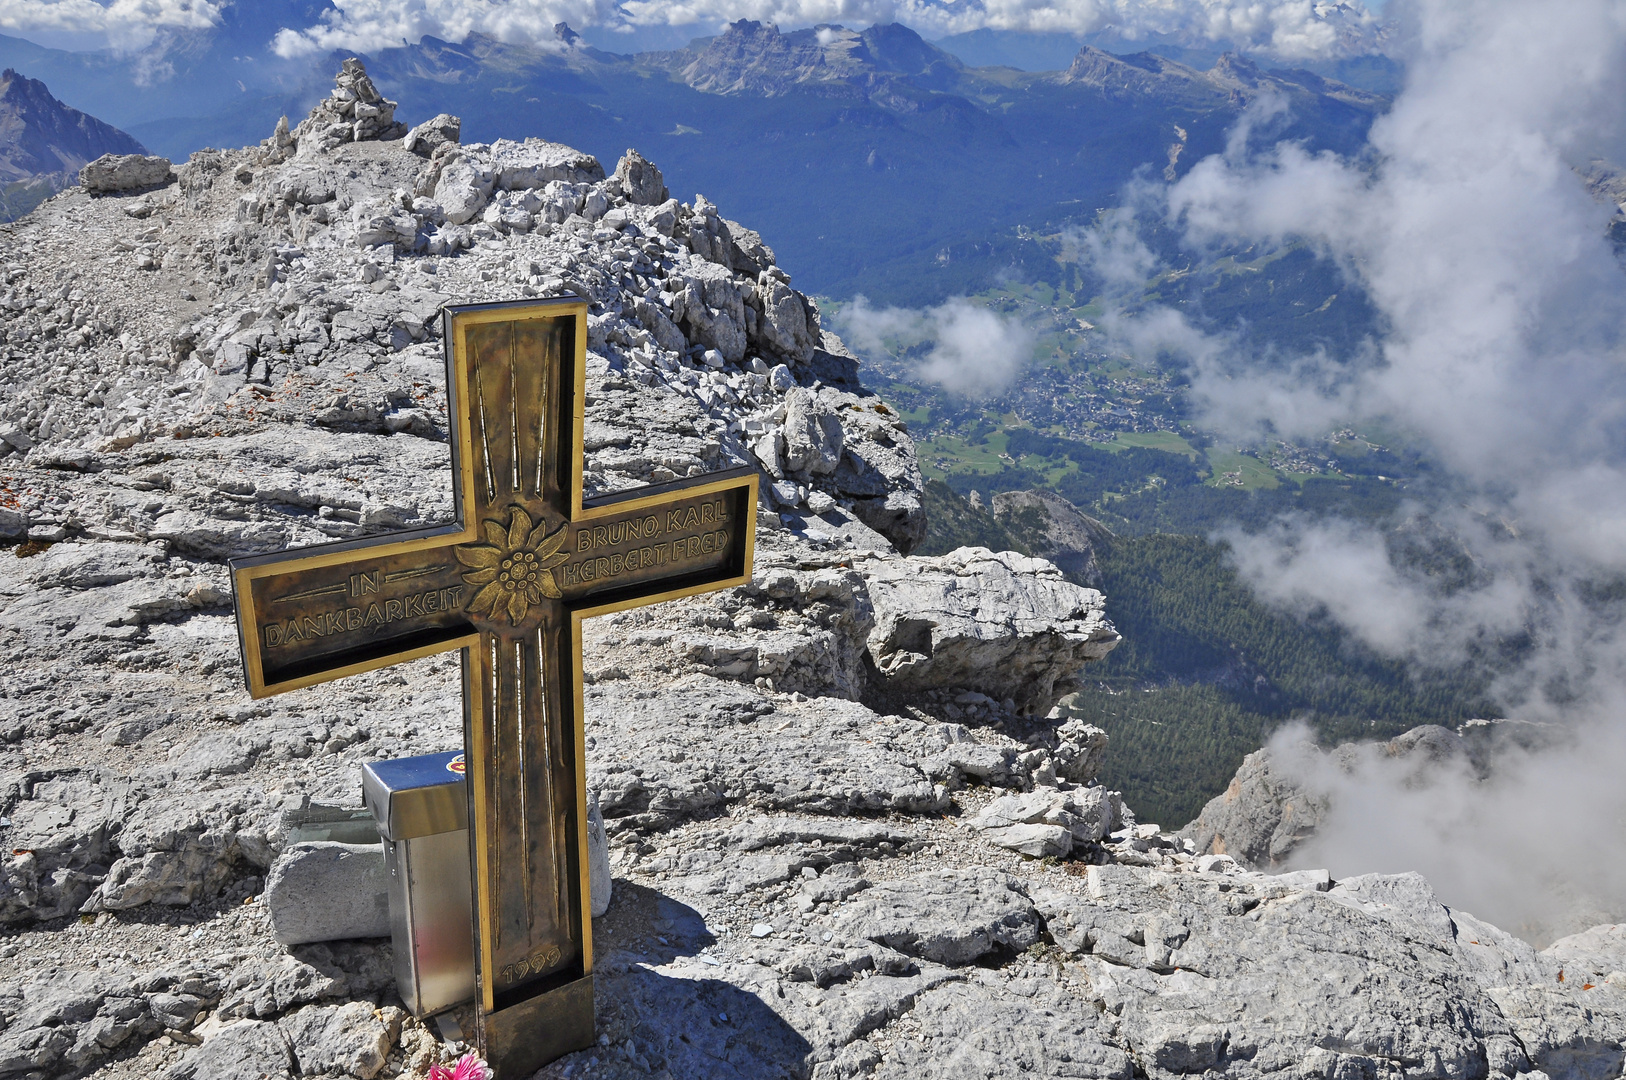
{"points": [[849, 833]]}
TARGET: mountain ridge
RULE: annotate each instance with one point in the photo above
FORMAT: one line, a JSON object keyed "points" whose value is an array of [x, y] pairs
{"points": [[44, 143], [876, 161], [39, 135]]}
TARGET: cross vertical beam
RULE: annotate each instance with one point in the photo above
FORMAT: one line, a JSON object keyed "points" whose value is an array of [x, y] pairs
{"points": [[509, 584]]}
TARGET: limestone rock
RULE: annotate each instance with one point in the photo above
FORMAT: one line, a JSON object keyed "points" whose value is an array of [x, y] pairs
{"points": [[250, 1048], [600, 883], [535, 163], [897, 515], [1036, 839], [1259, 819], [639, 180], [812, 439], [272, 986], [62, 1022], [1048, 821], [463, 190], [353, 1039], [434, 133], [792, 763], [1599, 952], [1080, 750], [1002, 623], [326, 891], [1057, 530], [982, 1027], [1190, 966], [948, 917], [784, 327], [114, 173]]}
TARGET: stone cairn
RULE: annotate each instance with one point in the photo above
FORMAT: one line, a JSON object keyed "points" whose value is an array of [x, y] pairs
{"points": [[354, 112]]}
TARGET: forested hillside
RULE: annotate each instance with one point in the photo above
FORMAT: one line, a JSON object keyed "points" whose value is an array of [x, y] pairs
{"points": [[1206, 671]]}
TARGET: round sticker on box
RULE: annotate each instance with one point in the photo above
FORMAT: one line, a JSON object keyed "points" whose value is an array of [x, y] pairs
{"points": [[456, 765]]}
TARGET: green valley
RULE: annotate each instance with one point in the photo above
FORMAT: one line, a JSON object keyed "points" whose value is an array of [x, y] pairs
{"points": [[1206, 671]]}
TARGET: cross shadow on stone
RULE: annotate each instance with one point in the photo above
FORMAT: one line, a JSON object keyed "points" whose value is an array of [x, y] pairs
{"points": [[689, 1024]]}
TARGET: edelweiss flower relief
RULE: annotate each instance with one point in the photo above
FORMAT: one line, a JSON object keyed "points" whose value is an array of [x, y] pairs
{"points": [[514, 568]]}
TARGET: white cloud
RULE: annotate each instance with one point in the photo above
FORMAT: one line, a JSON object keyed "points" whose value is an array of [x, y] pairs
{"points": [[125, 24], [969, 349], [1289, 29], [1503, 350], [369, 25], [1491, 842], [1476, 241], [1343, 569]]}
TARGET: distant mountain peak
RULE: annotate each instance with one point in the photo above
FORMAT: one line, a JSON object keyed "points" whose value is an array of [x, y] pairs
{"points": [[1234, 67], [44, 143], [1233, 76], [896, 47], [757, 57], [1136, 73]]}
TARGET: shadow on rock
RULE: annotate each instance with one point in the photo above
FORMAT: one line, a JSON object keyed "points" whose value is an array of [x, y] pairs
{"points": [[653, 1023], [694, 1027], [649, 927]]}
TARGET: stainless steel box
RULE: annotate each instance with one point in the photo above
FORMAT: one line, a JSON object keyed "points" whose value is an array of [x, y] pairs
{"points": [[422, 812]]}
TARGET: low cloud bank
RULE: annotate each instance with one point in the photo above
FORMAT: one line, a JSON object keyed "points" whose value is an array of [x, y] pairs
{"points": [[1532, 847], [961, 346], [373, 25], [1285, 28]]}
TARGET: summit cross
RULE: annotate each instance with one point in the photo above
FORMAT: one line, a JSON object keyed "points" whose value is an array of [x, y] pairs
{"points": [[509, 584]]}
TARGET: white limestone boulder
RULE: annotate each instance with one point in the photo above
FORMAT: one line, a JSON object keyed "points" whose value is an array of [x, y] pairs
{"points": [[1000, 623], [112, 173]]}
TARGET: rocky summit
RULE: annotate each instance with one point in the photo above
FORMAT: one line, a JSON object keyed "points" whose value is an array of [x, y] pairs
{"points": [[847, 831]]}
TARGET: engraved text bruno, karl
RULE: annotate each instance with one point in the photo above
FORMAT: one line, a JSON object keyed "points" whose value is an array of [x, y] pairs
{"points": [[701, 528]]}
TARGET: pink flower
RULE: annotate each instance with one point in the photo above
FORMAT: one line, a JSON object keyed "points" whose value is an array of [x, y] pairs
{"points": [[468, 1067]]}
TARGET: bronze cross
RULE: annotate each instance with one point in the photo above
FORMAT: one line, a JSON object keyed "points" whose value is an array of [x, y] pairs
{"points": [[509, 584]]}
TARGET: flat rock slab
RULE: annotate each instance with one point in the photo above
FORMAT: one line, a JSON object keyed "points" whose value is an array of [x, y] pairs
{"points": [[702, 744], [1243, 974], [700, 1026], [246, 1050], [125, 172], [353, 1039], [951, 917], [981, 1028]]}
